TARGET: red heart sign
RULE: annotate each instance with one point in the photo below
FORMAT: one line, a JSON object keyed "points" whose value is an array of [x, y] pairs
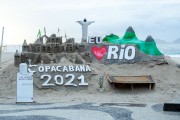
{"points": [[99, 52]]}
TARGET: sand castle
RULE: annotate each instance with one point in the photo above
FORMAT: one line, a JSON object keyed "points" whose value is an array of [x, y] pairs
{"points": [[51, 51]]}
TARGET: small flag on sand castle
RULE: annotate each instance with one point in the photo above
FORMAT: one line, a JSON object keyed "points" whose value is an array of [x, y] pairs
{"points": [[39, 33]]}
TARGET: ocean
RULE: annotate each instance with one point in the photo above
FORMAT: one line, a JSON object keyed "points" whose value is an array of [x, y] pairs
{"points": [[169, 49], [166, 49]]}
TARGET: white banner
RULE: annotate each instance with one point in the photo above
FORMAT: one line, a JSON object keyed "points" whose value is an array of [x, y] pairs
{"points": [[24, 85]]}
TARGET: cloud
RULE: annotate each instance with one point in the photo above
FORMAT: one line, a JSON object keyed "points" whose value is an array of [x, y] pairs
{"points": [[22, 18]]}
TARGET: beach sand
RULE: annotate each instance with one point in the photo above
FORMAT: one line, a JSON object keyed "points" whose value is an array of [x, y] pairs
{"points": [[166, 78]]}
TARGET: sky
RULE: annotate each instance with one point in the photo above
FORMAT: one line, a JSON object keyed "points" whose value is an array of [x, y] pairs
{"points": [[22, 19]]}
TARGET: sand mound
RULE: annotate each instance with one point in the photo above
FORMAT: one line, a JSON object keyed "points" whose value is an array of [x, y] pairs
{"points": [[165, 76]]}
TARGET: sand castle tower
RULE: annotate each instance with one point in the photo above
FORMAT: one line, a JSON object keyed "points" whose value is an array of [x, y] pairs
{"points": [[17, 58], [25, 47]]}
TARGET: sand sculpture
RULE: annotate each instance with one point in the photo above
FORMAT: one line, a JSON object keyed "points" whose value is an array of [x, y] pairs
{"points": [[112, 49], [143, 63], [85, 25]]}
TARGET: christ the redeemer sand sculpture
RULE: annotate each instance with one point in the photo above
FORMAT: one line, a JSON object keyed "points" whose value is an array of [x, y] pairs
{"points": [[84, 25]]}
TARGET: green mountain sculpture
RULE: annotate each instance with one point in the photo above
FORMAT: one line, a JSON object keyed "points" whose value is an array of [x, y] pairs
{"points": [[148, 46], [110, 37]]}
